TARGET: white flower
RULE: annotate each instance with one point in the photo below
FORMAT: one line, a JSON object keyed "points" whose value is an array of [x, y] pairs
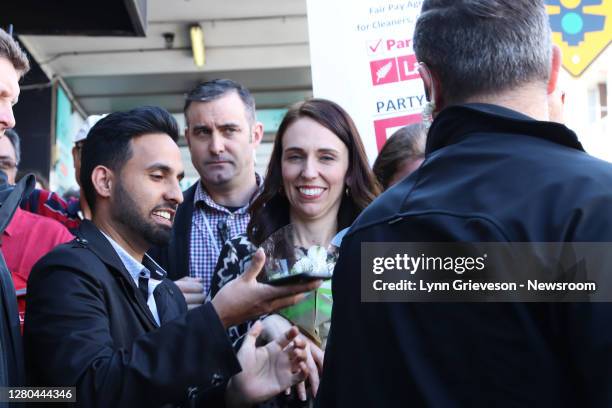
{"points": [[315, 262], [304, 265]]}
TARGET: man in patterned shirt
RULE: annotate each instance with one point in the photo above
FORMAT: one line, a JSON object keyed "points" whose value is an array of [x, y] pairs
{"points": [[222, 134]]}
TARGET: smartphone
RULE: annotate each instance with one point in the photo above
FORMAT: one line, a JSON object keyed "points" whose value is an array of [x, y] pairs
{"points": [[295, 279]]}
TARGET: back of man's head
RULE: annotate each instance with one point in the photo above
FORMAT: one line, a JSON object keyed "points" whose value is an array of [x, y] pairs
{"points": [[108, 141], [215, 89], [483, 47], [10, 50]]}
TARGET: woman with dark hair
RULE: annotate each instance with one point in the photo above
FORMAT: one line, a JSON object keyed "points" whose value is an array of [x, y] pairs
{"points": [[401, 155], [318, 181]]}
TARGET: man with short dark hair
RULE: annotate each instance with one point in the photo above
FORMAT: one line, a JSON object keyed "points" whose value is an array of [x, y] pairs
{"points": [[222, 133], [101, 314], [495, 170]]}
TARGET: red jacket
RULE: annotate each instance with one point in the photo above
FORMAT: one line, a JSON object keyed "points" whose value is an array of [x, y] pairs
{"points": [[26, 239]]}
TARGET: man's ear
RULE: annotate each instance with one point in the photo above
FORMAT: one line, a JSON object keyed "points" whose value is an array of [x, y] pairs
{"points": [[555, 67], [433, 89], [102, 178], [257, 132], [75, 152]]}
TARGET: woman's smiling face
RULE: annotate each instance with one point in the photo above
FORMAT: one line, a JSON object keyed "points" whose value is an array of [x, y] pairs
{"points": [[314, 166]]}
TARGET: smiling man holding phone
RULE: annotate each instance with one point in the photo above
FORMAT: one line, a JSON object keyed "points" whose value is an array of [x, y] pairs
{"points": [[101, 314]]}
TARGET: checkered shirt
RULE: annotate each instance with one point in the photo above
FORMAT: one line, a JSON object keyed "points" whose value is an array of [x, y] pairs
{"points": [[203, 251]]}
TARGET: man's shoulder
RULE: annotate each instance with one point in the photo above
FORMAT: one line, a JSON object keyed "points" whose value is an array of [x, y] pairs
{"points": [[386, 206], [67, 252], [73, 255], [576, 176], [569, 180], [590, 166]]}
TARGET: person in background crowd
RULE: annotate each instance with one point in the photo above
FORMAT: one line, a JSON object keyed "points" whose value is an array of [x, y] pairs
{"points": [[222, 134], [10, 154], [24, 241], [71, 195], [401, 155], [318, 180], [14, 65], [79, 140], [28, 236], [103, 317], [49, 204], [496, 170]]}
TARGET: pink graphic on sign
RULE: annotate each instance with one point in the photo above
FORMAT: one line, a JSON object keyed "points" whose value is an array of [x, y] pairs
{"points": [[394, 44], [383, 71], [407, 66], [374, 46], [383, 128]]}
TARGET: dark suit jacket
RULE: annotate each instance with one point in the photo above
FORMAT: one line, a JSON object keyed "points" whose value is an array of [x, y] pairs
{"points": [[174, 258], [87, 326]]}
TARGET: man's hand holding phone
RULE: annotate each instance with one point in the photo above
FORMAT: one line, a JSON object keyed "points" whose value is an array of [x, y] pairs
{"points": [[245, 298]]}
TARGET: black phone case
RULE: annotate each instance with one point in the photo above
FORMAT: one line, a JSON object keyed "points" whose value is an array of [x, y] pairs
{"points": [[295, 279]]}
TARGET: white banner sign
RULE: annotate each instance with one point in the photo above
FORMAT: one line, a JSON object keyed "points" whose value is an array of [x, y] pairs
{"points": [[362, 58]]}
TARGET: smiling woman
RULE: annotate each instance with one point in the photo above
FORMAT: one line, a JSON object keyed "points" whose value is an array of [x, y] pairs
{"points": [[314, 137], [313, 170], [318, 181]]}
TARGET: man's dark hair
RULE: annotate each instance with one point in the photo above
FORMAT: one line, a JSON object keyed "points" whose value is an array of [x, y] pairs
{"points": [[482, 47], [10, 49], [108, 141], [215, 89], [13, 137]]}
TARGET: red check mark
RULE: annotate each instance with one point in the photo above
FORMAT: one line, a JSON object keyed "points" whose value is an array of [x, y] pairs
{"points": [[373, 48]]}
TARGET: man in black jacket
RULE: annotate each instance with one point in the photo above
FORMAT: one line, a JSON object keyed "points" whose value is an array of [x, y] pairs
{"points": [[102, 316], [495, 170]]}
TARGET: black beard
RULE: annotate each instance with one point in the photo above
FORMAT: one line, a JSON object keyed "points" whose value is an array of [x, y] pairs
{"points": [[125, 211]]}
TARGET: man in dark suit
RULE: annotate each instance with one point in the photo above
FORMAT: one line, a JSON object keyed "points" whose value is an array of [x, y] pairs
{"points": [[102, 316]]}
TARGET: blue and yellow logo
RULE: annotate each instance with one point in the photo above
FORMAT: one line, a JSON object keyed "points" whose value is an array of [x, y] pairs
{"points": [[582, 29]]}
